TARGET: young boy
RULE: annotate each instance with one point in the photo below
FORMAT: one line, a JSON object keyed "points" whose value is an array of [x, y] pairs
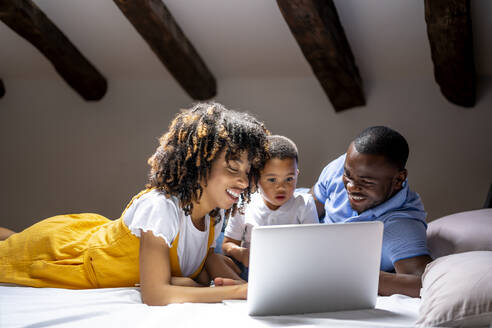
{"points": [[276, 202]]}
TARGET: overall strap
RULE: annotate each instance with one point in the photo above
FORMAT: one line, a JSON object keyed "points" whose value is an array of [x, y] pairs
{"points": [[173, 253], [173, 257]]}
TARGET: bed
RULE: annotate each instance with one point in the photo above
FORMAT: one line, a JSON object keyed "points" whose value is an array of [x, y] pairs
{"points": [[122, 307], [457, 291]]}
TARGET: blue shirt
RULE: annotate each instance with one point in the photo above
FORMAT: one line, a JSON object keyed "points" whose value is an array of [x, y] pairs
{"points": [[403, 215]]}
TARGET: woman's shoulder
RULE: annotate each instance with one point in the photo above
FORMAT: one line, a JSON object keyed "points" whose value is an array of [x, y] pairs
{"points": [[156, 198], [154, 211]]}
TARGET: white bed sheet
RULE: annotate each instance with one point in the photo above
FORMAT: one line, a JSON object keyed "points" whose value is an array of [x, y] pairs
{"points": [[122, 307]]}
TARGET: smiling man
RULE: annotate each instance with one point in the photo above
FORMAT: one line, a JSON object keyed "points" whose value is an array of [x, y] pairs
{"points": [[369, 183]]}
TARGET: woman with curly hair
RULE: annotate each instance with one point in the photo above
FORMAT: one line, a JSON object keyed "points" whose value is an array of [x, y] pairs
{"points": [[202, 171]]}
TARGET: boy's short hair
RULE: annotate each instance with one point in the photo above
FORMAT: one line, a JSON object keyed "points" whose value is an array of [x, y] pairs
{"points": [[281, 147], [381, 140]]}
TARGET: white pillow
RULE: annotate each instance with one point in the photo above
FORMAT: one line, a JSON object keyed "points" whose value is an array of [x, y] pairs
{"points": [[460, 232], [457, 291]]}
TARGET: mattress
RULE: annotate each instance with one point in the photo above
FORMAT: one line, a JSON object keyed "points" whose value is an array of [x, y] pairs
{"points": [[122, 307]]}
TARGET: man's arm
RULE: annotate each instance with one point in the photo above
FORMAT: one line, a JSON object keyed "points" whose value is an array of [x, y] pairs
{"points": [[406, 280], [320, 207]]}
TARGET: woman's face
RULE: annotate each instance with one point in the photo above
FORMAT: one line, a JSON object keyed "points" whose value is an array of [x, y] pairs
{"points": [[227, 180]]}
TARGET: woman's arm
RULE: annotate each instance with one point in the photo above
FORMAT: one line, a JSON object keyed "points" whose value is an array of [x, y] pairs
{"points": [[232, 248], [218, 265], [185, 281], [156, 281]]}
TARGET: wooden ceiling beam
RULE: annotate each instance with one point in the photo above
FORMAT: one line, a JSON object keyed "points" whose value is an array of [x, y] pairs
{"points": [[157, 26], [317, 28], [449, 29], [25, 18], [2, 89]]}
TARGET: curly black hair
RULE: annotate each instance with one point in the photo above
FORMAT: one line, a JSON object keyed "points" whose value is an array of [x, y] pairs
{"points": [[195, 138]]}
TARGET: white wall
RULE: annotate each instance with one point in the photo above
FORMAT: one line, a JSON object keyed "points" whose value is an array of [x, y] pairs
{"points": [[63, 155]]}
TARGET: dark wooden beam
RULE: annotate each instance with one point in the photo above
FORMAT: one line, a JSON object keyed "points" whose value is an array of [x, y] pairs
{"points": [[2, 89], [25, 18], [157, 26], [449, 29], [320, 35]]}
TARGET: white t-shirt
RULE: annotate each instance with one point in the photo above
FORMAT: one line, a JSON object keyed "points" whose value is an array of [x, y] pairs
{"points": [[299, 209], [163, 216]]}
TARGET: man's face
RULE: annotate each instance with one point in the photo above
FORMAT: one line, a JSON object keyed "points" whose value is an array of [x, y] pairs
{"points": [[370, 179]]}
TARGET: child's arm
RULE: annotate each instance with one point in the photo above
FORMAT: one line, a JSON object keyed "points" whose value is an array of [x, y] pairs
{"points": [[232, 248], [156, 281], [320, 207]]}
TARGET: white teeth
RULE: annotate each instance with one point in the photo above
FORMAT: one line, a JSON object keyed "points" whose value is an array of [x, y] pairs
{"points": [[232, 193], [357, 197]]}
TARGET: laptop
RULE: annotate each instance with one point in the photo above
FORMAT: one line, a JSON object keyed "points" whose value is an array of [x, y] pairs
{"points": [[314, 268]]}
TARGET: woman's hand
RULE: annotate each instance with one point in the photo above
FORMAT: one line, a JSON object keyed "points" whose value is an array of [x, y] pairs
{"points": [[218, 282], [184, 281], [242, 291]]}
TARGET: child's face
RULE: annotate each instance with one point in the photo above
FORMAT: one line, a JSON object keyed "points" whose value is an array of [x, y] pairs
{"points": [[227, 180], [278, 180]]}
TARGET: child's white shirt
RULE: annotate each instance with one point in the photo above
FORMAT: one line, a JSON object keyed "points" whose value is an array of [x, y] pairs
{"points": [[155, 212], [299, 209]]}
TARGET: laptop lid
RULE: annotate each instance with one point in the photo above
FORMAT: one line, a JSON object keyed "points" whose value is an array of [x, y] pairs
{"points": [[314, 268]]}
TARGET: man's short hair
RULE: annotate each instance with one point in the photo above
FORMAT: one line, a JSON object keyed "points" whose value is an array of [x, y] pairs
{"points": [[381, 140], [281, 147]]}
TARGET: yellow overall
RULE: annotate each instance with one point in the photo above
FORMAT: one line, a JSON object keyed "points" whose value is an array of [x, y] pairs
{"points": [[79, 251]]}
